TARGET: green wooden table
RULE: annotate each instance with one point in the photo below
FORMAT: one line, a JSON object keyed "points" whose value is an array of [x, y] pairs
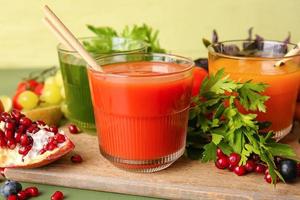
{"points": [[8, 83]]}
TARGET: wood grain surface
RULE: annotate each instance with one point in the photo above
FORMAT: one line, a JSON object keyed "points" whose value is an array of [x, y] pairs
{"points": [[185, 179]]}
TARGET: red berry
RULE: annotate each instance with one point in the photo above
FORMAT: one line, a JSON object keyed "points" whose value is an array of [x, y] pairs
{"points": [[76, 158], [25, 121], [268, 178], [231, 168], [250, 165], [220, 153], [234, 159], [261, 169], [222, 163], [60, 138], [12, 197], [239, 170], [73, 129], [32, 191], [22, 195], [53, 129], [58, 195]]}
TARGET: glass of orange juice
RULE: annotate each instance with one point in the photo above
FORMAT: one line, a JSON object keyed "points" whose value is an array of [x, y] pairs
{"points": [[255, 60], [141, 104]]}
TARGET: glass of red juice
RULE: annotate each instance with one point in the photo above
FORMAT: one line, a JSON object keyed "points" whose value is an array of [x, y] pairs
{"points": [[141, 104]]}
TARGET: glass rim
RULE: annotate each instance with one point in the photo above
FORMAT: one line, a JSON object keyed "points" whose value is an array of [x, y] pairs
{"points": [[189, 61], [212, 51], [61, 48]]}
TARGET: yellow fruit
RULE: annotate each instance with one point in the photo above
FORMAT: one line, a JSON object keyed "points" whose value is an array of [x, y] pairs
{"points": [[6, 102]]}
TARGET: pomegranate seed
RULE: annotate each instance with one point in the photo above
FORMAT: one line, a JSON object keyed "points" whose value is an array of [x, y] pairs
{"points": [[261, 169], [73, 129], [60, 138], [76, 158], [22, 195], [2, 142], [250, 165], [11, 143], [25, 121], [220, 153], [239, 170], [58, 195], [5, 115], [18, 137], [21, 129], [10, 125], [32, 191], [2, 135], [32, 129], [234, 159], [40, 123], [9, 133], [222, 162], [53, 129], [42, 151], [268, 178], [25, 140], [12, 197], [24, 150], [16, 114], [51, 146]]}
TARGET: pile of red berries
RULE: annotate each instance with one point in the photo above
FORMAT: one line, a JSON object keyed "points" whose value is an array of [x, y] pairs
{"points": [[254, 164]]}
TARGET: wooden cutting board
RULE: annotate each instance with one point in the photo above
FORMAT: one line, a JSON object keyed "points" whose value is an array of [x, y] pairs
{"points": [[185, 179]]}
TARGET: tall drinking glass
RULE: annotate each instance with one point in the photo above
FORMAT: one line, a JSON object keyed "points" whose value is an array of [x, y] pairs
{"points": [[255, 60], [141, 104], [79, 109]]}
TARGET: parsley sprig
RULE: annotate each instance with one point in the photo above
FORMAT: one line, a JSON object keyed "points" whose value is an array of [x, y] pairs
{"points": [[106, 34], [216, 121]]}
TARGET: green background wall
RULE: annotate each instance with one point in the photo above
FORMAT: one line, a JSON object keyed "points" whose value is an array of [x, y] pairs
{"points": [[26, 42]]}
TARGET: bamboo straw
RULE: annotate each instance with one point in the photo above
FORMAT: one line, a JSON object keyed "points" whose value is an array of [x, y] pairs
{"points": [[69, 37]]}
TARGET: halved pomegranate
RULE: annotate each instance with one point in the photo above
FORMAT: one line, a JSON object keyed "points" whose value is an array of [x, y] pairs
{"points": [[29, 144]]}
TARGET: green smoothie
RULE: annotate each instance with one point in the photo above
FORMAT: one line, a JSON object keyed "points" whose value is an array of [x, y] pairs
{"points": [[79, 108]]}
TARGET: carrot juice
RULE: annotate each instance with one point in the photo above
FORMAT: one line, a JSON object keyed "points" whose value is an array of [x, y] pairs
{"points": [[141, 106], [283, 81]]}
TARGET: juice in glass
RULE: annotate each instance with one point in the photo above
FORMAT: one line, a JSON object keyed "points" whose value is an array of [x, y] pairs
{"points": [[258, 65], [79, 108], [141, 106]]}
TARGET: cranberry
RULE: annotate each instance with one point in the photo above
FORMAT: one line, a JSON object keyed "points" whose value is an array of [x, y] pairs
{"points": [[239, 170], [231, 168], [25, 121], [76, 158], [53, 129], [9, 133], [32, 191], [261, 169], [22, 195], [11, 143], [73, 129], [250, 165], [60, 138], [268, 178], [25, 140], [234, 159], [58, 195], [222, 162], [220, 153], [12, 197]]}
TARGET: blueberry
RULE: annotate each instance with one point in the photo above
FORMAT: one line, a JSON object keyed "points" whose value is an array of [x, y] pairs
{"points": [[288, 169], [10, 187]]}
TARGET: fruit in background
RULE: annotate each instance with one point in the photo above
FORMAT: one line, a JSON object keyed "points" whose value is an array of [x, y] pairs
{"points": [[1, 106], [297, 111], [6, 103], [199, 75], [28, 99], [29, 144]]}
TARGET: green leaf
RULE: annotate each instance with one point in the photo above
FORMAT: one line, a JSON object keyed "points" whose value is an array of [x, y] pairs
{"points": [[209, 153], [282, 150], [216, 138], [225, 147]]}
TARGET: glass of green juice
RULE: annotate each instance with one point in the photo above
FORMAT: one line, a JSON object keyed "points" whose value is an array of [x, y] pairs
{"points": [[78, 104]]}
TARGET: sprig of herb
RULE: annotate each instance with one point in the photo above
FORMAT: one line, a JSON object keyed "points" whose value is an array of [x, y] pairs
{"points": [[106, 34], [216, 122]]}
